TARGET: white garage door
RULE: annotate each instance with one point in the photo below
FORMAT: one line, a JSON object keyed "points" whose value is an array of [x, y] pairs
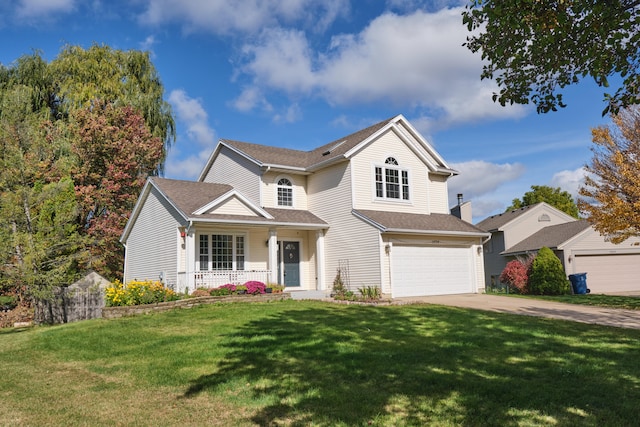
{"points": [[421, 270], [610, 273]]}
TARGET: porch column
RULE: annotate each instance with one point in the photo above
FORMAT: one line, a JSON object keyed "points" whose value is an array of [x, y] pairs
{"points": [[190, 260], [320, 283], [273, 255]]}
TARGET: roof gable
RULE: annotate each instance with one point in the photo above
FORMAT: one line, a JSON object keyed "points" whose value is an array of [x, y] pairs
{"points": [[553, 237], [504, 220], [232, 203], [340, 149]]}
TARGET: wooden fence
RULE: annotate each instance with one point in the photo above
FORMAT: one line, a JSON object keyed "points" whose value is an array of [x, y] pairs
{"points": [[70, 304]]}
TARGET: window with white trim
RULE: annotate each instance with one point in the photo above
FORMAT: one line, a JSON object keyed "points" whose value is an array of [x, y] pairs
{"points": [[221, 252], [285, 192], [392, 181]]}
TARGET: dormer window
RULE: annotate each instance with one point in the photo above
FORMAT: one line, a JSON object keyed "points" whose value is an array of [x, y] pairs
{"points": [[285, 192], [392, 181]]}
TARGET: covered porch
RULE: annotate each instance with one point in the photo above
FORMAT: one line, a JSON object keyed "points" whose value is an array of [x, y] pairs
{"points": [[213, 254]]}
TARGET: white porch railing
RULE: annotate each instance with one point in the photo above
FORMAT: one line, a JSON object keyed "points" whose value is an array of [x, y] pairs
{"points": [[213, 279]]}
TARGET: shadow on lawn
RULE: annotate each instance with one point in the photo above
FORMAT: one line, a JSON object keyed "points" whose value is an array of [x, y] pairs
{"points": [[420, 365]]}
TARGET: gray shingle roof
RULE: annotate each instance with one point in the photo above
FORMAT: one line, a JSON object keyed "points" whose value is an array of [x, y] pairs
{"points": [[551, 237], [189, 196], [494, 222], [304, 159], [394, 221]]}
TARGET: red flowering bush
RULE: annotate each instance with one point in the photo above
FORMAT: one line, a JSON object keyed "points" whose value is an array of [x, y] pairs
{"points": [[516, 276], [255, 287]]}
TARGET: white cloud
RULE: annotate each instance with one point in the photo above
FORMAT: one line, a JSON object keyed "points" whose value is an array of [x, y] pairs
{"points": [[191, 115], [251, 98], [43, 9], [482, 183], [478, 177], [414, 61], [244, 16], [292, 114], [148, 43], [191, 112], [569, 180]]}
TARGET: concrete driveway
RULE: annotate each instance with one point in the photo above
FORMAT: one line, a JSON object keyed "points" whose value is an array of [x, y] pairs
{"points": [[531, 307]]}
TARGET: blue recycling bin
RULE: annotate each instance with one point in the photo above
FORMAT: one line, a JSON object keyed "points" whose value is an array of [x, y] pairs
{"points": [[579, 283]]}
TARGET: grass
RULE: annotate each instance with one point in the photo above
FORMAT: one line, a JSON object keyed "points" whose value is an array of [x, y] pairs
{"points": [[312, 363], [599, 300]]}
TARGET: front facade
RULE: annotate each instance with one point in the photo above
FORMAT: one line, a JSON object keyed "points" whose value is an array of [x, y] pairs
{"points": [[372, 205], [610, 268], [510, 228]]}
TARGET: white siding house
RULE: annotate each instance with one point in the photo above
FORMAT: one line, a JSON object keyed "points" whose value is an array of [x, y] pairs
{"points": [[372, 205], [610, 268]]}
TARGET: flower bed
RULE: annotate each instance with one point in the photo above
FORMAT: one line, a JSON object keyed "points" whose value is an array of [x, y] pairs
{"points": [[133, 310]]}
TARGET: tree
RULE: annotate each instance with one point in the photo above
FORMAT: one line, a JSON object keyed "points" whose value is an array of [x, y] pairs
{"points": [[611, 191], [115, 153], [536, 48], [547, 277], [561, 200], [78, 138], [114, 76]]}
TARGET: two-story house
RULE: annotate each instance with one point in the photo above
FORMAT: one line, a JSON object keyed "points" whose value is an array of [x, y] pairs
{"points": [[520, 233], [372, 205]]}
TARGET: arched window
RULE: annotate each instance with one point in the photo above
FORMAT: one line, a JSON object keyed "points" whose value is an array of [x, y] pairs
{"points": [[392, 181], [285, 192]]}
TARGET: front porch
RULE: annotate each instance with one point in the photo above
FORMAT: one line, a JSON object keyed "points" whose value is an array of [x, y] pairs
{"points": [[214, 279], [212, 255]]}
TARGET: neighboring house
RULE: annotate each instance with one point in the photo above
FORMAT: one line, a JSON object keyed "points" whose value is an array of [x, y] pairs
{"points": [[372, 205], [610, 268]]}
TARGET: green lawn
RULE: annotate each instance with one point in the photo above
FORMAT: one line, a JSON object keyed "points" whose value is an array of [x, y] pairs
{"points": [[313, 363]]}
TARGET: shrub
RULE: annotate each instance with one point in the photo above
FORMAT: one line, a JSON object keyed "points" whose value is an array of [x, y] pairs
{"points": [[340, 291], [229, 286], [200, 292], [218, 292], [370, 293], [255, 287], [277, 289], [547, 277], [516, 276], [138, 292]]}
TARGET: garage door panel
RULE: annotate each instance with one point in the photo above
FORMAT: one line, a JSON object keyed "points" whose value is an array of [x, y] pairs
{"points": [[421, 270], [610, 273]]}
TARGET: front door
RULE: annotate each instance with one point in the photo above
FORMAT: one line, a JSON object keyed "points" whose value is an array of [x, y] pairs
{"points": [[291, 263]]}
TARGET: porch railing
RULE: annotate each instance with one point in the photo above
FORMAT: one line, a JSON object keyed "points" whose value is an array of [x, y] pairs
{"points": [[213, 279]]}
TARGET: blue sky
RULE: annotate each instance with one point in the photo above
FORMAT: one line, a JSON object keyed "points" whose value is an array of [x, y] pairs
{"points": [[301, 73]]}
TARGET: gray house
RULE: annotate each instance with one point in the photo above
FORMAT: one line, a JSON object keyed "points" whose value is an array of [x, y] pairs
{"points": [[372, 204], [610, 268]]}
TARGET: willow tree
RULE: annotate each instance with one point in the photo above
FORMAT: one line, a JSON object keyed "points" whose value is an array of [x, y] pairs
{"points": [[121, 78], [93, 121], [611, 192]]}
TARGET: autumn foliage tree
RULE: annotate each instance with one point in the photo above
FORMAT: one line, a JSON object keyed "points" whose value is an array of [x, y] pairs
{"points": [[78, 137], [115, 152], [611, 192]]}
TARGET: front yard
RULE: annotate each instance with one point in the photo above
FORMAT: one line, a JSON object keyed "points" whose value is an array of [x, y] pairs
{"points": [[314, 363]]}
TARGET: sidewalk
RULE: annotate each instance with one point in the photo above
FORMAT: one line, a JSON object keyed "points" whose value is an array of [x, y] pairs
{"points": [[531, 307]]}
